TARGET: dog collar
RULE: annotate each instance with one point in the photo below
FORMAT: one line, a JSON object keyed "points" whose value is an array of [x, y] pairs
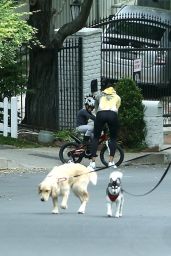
{"points": [[61, 179], [113, 197]]}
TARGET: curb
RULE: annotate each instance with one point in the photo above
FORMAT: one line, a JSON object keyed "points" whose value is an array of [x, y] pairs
{"points": [[145, 159], [6, 164], [150, 159]]}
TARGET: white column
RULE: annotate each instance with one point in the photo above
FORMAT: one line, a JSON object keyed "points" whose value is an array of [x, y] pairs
{"points": [[91, 56], [153, 117]]}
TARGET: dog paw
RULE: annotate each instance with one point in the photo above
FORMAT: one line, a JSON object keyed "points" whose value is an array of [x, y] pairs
{"points": [[109, 213], [117, 216], [55, 211], [80, 212], [63, 206]]}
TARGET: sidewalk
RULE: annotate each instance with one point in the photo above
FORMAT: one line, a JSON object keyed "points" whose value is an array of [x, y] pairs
{"points": [[47, 157], [28, 158]]}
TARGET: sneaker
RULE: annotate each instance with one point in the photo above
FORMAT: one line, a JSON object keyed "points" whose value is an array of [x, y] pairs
{"points": [[112, 164], [92, 165]]}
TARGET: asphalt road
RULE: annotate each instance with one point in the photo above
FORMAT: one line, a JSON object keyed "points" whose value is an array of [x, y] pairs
{"points": [[27, 227]]}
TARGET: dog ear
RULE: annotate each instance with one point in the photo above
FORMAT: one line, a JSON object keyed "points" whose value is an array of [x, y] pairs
{"points": [[118, 181], [110, 180], [39, 188]]}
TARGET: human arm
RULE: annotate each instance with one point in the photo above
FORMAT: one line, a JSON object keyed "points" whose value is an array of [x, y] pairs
{"points": [[97, 98], [118, 103], [90, 116]]}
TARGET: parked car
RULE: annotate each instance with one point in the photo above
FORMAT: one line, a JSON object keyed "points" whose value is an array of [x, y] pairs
{"points": [[137, 43]]}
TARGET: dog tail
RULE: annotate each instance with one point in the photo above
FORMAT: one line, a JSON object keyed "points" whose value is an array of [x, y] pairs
{"points": [[92, 175], [115, 175]]}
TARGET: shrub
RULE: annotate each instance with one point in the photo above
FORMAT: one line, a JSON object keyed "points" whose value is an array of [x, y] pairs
{"points": [[131, 114], [64, 135], [12, 79]]}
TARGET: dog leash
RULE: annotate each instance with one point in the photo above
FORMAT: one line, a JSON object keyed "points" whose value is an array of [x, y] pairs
{"points": [[125, 191], [151, 190], [148, 192], [144, 194], [78, 175], [95, 170]]}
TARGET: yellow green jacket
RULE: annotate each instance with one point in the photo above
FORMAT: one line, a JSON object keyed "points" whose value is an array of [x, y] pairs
{"points": [[108, 100]]}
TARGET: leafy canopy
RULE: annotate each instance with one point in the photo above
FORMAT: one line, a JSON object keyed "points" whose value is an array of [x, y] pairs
{"points": [[14, 31]]}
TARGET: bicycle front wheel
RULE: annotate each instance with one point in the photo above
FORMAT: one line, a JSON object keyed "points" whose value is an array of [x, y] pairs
{"points": [[68, 153], [118, 158]]}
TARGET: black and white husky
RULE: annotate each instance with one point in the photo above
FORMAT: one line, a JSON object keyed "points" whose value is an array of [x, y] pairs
{"points": [[114, 194]]}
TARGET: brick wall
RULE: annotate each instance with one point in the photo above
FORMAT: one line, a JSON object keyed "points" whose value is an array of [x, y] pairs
{"points": [[91, 57]]}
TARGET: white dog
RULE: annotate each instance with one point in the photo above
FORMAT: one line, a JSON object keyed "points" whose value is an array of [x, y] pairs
{"points": [[63, 178], [114, 194]]}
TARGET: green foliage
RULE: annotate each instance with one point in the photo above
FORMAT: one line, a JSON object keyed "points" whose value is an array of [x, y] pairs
{"points": [[64, 135], [19, 143], [131, 114], [14, 31], [12, 79]]}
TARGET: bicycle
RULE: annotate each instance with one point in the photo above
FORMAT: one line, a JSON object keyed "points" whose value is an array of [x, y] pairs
{"points": [[76, 150]]}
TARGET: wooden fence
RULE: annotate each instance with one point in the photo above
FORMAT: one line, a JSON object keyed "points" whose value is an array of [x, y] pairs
{"points": [[9, 117]]}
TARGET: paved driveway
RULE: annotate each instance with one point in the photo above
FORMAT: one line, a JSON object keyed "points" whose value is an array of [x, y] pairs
{"points": [[27, 228]]}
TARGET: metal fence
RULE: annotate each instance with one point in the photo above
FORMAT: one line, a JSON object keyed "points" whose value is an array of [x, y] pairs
{"points": [[69, 83], [139, 48], [68, 89], [132, 46], [23, 60]]}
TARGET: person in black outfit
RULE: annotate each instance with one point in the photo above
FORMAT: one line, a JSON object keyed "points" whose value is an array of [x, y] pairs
{"points": [[107, 105]]}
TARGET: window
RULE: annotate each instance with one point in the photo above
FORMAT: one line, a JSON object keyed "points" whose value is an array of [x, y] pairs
{"points": [[136, 29]]}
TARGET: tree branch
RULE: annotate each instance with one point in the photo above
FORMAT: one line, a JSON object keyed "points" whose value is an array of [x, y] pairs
{"points": [[74, 26]]}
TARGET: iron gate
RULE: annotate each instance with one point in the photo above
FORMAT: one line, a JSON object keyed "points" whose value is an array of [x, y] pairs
{"points": [[139, 47], [69, 83]]}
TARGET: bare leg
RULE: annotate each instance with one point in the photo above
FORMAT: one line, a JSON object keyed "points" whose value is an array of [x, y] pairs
{"points": [[93, 159], [111, 158]]}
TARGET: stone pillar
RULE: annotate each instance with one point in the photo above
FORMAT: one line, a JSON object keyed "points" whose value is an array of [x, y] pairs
{"points": [[91, 57], [153, 117]]}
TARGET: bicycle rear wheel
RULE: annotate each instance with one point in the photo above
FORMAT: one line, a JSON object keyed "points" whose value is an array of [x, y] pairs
{"points": [[68, 153], [118, 158]]}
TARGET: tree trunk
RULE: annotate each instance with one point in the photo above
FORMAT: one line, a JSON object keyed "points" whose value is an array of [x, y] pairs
{"points": [[41, 106], [40, 98], [72, 27]]}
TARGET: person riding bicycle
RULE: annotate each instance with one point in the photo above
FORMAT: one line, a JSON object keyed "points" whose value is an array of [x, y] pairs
{"points": [[107, 105], [84, 116]]}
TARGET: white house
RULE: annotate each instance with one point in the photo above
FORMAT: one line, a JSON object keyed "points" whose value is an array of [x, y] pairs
{"points": [[100, 8]]}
